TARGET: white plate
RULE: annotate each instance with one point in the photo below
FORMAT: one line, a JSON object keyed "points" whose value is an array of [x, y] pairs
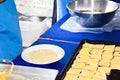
{"points": [[60, 52]]}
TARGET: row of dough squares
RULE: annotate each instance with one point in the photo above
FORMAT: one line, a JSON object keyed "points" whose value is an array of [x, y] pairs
{"points": [[94, 62]]}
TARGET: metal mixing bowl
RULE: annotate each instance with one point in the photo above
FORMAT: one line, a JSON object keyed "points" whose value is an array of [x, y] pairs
{"points": [[93, 16]]}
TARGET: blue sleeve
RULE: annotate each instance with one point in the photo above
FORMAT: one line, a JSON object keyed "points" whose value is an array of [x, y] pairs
{"points": [[61, 8], [10, 35]]}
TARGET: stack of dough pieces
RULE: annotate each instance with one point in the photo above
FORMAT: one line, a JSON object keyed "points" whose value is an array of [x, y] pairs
{"points": [[94, 62]]}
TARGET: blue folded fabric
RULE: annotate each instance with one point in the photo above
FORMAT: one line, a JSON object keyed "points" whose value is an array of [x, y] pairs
{"points": [[10, 35], [61, 8], [118, 1]]}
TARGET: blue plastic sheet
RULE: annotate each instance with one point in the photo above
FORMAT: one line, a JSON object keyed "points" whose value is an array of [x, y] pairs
{"points": [[10, 35]]}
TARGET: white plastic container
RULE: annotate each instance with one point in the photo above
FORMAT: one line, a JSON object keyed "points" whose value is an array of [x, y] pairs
{"points": [[30, 12], [31, 31], [30, 73]]}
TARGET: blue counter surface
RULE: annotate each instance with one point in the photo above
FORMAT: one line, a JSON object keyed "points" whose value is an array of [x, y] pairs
{"points": [[68, 41]]}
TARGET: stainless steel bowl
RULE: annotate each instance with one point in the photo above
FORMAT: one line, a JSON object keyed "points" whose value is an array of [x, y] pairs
{"points": [[93, 13]]}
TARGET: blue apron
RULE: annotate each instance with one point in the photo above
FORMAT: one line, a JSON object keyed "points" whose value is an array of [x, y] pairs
{"points": [[10, 36]]}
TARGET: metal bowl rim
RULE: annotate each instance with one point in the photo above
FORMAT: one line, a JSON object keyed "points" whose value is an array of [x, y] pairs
{"points": [[117, 7]]}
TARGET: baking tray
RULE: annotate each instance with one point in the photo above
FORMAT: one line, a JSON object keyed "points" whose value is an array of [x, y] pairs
{"points": [[115, 74]]}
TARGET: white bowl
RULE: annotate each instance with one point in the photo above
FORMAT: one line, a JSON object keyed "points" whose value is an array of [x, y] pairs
{"points": [[59, 51]]}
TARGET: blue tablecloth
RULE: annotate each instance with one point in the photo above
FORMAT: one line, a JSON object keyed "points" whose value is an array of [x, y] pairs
{"points": [[57, 33], [68, 41]]}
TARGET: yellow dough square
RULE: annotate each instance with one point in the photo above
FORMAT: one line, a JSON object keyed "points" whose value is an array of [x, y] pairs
{"points": [[83, 56], [107, 60], [115, 59], [115, 65], [74, 71], [78, 65], [109, 57], [71, 77], [88, 45], [107, 70], [117, 54], [96, 51], [99, 75], [79, 60], [83, 78], [85, 49], [117, 49], [86, 73], [92, 61], [109, 47], [107, 53], [99, 46], [92, 68], [96, 56], [104, 63]]}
